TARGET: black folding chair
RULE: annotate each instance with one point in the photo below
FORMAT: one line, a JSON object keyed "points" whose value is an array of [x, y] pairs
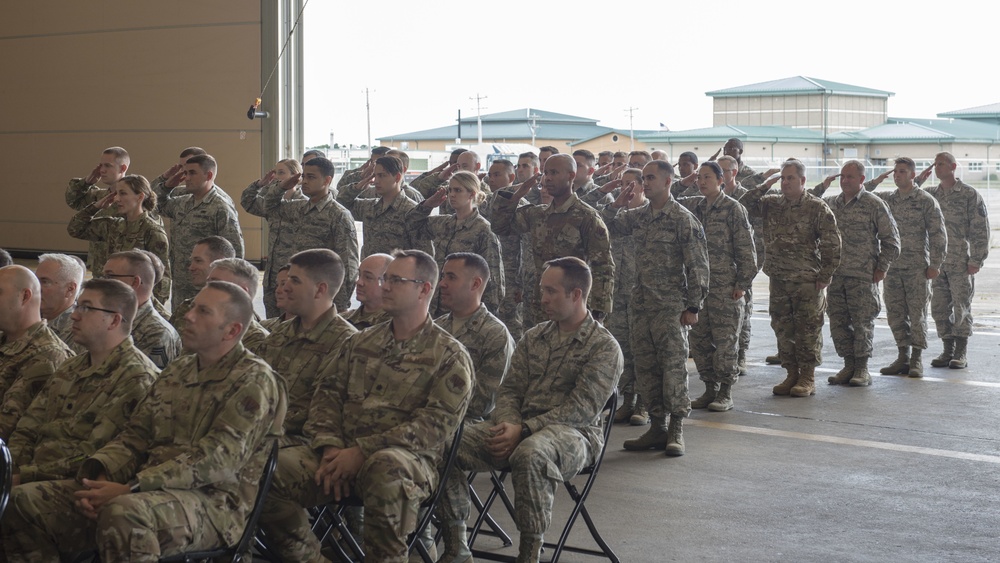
{"points": [[579, 497], [6, 476], [331, 517]]}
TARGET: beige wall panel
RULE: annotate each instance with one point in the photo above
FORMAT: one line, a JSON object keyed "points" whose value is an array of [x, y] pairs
{"points": [[153, 77]]}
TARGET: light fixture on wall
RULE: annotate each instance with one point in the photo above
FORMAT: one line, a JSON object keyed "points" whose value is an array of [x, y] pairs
{"points": [[254, 111]]}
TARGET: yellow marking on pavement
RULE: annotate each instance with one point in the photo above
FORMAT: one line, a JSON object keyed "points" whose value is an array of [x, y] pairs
{"points": [[845, 441]]}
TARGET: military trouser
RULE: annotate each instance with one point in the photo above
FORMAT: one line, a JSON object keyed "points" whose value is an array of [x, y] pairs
{"points": [[618, 324], [41, 524], [660, 347], [796, 310], [745, 326], [951, 303], [853, 305], [906, 293], [537, 466], [715, 338], [391, 484]]}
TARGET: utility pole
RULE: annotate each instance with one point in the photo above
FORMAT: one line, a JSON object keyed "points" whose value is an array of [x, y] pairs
{"points": [[534, 126], [479, 115], [631, 130], [368, 114]]}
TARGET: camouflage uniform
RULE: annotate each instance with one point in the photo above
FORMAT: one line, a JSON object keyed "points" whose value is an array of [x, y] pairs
{"points": [[623, 250], [196, 447], [671, 276], [400, 403], [572, 229], [299, 358], [592, 195], [324, 224], [511, 248], [923, 244], [117, 234], [557, 387], [63, 327], [192, 221], [757, 227], [81, 408], [868, 229], [177, 319], [252, 201], [159, 184], [747, 178], [450, 235], [273, 322], [968, 227], [732, 261], [803, 247], [362, 319], [154, 336], [384, 224], [79, 195], [26, 364], [407, 190], [253, 339], [490, 345]]}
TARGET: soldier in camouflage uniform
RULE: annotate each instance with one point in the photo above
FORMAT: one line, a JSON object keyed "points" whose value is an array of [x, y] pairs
{"points": [[566, 227], [316, 222], [279, 300], [383, 413], [60, 277], [174, 177], [968, 227], [869, 230], [299, 349], [184, 472], [429, 184], [369, 293], [29, 351], [670, 288], [547, 421], [152, 334], [686, 184], [463, 231], [583, 183], [82, 192], [923, 246], [205, 251], [353, 175], [745, 176], [732, 261], [384, 218], [803, 250], [130, 228], [196, 214], [243, 274], [90, 397], [501, 178], [252, 201], [407, 190]]}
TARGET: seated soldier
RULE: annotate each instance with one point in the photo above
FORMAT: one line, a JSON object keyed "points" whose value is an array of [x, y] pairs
{"points": [[369, 293], [245, 275], [60, 276], [548, 412], [279, 300], [383, 413], [90, 397], [151, 333], [183, 474], [29, 350], [205, 251]]}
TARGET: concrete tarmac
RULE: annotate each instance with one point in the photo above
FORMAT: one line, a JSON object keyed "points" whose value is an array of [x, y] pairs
{"points": [[904, 470]]}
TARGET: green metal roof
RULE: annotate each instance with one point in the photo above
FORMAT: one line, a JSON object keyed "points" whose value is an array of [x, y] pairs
{"points": [[513, 124], [990, 111], [771, 133], [902, 130], [797, 85]]}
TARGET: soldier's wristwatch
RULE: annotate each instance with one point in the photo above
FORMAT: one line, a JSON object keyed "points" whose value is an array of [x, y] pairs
{"points": [[525, 431]]}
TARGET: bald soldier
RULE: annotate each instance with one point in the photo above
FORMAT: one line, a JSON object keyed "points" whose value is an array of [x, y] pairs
{"points": [[566, 227], [183, 474], [29, 351], [369, 293]]}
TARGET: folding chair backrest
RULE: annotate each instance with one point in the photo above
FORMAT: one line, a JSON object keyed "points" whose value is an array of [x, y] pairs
{"points": [[258, 504], [6, 476]]}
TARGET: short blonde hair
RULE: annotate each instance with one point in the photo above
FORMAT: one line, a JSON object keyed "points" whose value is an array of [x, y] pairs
{"points": [[292, 165]]}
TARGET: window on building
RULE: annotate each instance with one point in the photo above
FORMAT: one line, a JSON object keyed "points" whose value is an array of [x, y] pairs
{"points": [[975, 167], [879, 162]]}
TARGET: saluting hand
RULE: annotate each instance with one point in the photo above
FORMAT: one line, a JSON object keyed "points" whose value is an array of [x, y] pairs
{"points": [[94, 175]]}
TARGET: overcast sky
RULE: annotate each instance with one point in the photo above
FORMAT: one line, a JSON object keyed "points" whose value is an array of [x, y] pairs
{"points": [[424, 61]]}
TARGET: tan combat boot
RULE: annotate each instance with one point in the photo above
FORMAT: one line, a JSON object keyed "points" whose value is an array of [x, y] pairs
{"points": [[723, 399], [711, 388], [456, 545], [901, 366], [861, 376], [944, 359], [791, 379], [916, 363], [653, 439], [675, 436], [845, 374], [806, 385], [640, 416], [626, 409], [959, 359]]}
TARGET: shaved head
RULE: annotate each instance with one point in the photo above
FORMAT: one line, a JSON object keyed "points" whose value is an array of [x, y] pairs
{"points": [[21, 278]]}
